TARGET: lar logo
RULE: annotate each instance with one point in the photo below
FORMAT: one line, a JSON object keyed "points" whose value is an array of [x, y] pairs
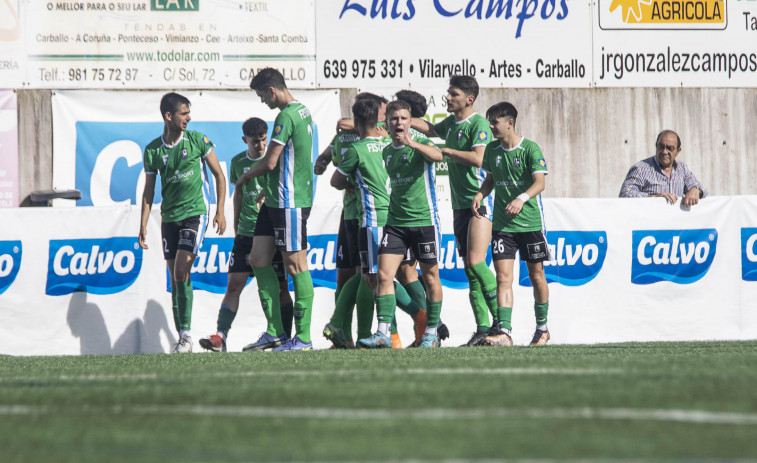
{"points": [[175, 5], [96, 266], [10, 262], [748, 254], [577, 257], [680, 256], [662, 14]]}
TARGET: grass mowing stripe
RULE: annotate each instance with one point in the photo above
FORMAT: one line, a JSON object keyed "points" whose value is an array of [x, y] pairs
{"points": [[343, 372], [360, 414]]}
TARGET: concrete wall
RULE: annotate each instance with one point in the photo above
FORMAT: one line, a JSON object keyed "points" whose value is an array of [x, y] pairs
{"points": [[589, 136]]}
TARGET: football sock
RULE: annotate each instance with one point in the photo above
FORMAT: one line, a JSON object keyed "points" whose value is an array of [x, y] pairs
{"points": [[303, 304], [364, 304], [417, 293], [477, 302], [347, 325], [184, 297], [488, 283], [385, 308], [175, 308], [432, 315], [404, 301], [287, 312], [225, 319], [268, 291], [540, 310], [505, 315], [346, 301]]}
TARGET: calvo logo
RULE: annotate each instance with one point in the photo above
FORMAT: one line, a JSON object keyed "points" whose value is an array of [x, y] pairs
{"points": [[679, 256], [10, 262], [96, 266], [749, 254], [577, 257]]}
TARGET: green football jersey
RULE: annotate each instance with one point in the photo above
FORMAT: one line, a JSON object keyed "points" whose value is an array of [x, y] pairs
{"points": [[340, 144], [248, 213], [183, 178], [512, 171], [363, 163], [464, 181], [290, 183], [412, 202]]}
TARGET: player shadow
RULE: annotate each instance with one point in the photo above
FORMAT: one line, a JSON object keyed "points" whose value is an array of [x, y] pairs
{"points": [[143, 336], [86, 321]]}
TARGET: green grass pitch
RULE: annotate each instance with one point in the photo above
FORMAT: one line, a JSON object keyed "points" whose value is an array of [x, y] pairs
{"points": [[637, 401]]}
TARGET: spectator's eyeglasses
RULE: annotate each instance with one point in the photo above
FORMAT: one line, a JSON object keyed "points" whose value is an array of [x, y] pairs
{"points": [[663, 147]]}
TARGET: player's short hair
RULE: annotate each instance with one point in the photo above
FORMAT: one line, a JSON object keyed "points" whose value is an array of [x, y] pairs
{"points": [[502, 109], [467, 84], [254, 127], [370, 96], [417, 102], [365, 112], [268, 77], [397, 105], [665, 132], [171, 101]]}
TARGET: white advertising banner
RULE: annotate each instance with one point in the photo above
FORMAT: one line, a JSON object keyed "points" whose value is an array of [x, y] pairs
{"points": [[210, 44], [674, 43], [99, 137], [74, 280], [8, 149], [410, 43], [156, 43]]}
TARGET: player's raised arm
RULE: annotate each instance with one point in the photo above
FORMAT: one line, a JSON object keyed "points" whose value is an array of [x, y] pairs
{"points": [[219, 221]]}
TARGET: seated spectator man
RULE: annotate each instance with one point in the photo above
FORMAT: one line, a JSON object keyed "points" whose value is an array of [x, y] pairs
{"points": [[662, 175]]}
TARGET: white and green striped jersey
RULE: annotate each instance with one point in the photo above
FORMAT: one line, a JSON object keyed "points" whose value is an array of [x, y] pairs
{"points": [[364, 165], [290, 183]]}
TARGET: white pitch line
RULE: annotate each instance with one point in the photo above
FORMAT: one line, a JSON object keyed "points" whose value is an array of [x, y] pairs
{"points": [[343, 372], [363, 414]]}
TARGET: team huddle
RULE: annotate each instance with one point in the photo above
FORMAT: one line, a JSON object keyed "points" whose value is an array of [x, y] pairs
{"points": [[389, 233]]}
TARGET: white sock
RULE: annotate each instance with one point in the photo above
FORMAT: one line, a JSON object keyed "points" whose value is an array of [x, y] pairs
{"points": [[183, 332], [384, 328], [430, 330]]}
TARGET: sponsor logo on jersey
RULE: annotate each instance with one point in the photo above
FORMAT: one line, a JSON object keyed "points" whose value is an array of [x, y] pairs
{"points": [[516, 162], [577, 257], [404, 159], [10, 263], [483, 135], [184, 152], [277, 129], [205, 140], [542, 163], [679, 256], [96, 266], [749, 254]]}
